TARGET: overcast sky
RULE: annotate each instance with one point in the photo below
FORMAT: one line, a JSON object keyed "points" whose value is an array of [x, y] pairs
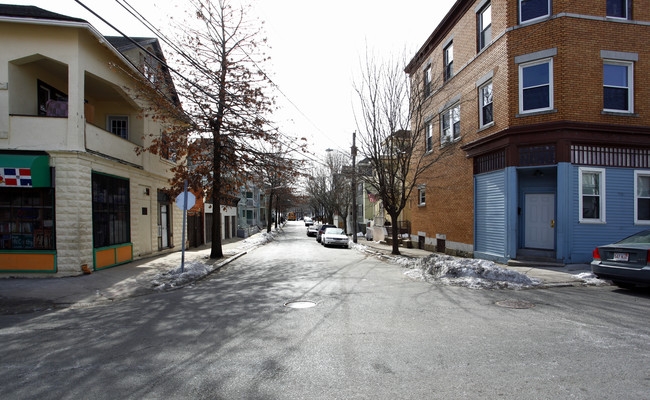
{"points": [[316, 48]]}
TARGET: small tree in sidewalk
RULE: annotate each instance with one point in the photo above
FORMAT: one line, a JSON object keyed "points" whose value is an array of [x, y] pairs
{"points": [[392, 135]]}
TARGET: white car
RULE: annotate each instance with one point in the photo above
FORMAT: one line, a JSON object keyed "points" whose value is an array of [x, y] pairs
{"points": [[334, 237], [308, 221]]}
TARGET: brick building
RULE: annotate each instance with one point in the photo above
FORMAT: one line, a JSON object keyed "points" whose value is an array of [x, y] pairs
{"points": [[542, 108], [73, 190]]}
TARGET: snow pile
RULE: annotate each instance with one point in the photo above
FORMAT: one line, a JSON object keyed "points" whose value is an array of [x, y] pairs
{"points": [[258, 240], [197, 269], [590, 279], [468, 272], [175, 278]]}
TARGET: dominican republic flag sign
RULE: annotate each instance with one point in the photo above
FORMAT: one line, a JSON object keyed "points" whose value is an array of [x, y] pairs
{"points": [[21, 177]]}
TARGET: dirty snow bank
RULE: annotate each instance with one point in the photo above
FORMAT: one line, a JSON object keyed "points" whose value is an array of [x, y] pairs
{"points": [[197, 269], [468, 272], [590, 279]]}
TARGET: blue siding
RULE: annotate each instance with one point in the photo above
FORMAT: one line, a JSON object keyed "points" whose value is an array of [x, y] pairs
{"points": [[619, 213], [490, 214]]}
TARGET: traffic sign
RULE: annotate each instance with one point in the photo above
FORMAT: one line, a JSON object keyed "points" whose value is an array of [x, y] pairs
{"points": [[191, 199]]}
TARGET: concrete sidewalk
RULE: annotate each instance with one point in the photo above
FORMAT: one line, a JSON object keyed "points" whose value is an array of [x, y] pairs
{"points": [[21, 295]]}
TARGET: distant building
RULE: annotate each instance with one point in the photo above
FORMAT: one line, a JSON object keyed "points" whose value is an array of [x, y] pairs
{"points": [[546, 106]]}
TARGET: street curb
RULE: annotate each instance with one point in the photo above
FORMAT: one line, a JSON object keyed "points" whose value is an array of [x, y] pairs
{"points": [[149, 290]]}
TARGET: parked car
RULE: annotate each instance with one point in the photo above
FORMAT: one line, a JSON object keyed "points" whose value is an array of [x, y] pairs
{"points": [[309, 221], [626, 262], [312, 230], [334, 237], [321, 229]]}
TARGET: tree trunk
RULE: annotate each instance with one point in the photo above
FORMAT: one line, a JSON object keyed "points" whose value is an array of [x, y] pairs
{"points": [[216, 251], [395, 234], [269, 213]]}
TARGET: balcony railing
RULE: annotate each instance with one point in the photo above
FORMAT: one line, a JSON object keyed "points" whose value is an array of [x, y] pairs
{"points": [[38, 133], [104, 142]]}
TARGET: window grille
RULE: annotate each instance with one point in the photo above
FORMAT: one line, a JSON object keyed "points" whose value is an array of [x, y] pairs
{"points": [[490, 162], [537, 155], [610, 156]]}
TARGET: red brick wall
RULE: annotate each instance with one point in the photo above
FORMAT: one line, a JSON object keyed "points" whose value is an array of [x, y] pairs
{"points": [[578, 92]]}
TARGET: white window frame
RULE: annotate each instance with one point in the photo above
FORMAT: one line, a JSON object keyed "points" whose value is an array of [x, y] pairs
{"points": [[482, 123], [444, 138], [124, 118], [448, 61], [637, 174], [428, 136], [602, 194], [550, 85], [532, 19], [428, 81], [630, 83], [627, 11], [422, 197], [486, 9]]}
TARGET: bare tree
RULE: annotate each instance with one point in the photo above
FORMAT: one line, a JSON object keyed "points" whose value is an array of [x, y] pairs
{"points": [[392, 134], [329, 189], [223, 91], [277, 172]]}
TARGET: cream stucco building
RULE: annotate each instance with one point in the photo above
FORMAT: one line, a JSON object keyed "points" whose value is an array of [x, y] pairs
{"points": [[74, 193]]}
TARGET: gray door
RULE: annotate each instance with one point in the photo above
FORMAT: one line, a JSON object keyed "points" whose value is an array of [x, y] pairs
{"points": [[540, 221]]}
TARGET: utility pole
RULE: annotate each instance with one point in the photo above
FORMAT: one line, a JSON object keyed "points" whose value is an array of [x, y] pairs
{"points": [[354, 187]]}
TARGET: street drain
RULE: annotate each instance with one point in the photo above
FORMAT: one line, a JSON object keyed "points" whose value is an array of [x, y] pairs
{"points": [[300, 304], [515, 304]]}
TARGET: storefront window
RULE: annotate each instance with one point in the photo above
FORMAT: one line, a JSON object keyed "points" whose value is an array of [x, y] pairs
{"points": [[110, 210], [26, 219]]}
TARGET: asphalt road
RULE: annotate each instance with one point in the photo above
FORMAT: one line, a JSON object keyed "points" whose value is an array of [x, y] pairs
{"points": [[372, 333]]}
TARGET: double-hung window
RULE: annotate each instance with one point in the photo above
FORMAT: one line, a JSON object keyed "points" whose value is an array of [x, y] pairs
{"points": [[427, 81], [428, 136], [484, 26], [531, 10], [422, 195], [592, 195], [448, 59], [486, 116], [450, 125], [536, 86], [618, 93], [118, 125], [642, 197], [618, 8]]}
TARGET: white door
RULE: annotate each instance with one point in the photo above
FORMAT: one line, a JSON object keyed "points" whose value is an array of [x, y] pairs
{"points": [[163, 226], [540, 221]]}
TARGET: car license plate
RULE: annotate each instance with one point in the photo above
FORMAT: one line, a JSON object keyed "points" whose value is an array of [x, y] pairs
{"points": [[621, 256]]}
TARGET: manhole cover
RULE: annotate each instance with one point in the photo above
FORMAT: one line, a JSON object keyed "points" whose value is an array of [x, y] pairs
{"points": [[300, 304], [515, 304]]}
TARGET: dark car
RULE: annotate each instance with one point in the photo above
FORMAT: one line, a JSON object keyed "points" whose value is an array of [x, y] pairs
{"points": [[321, 229], [626, 263]]}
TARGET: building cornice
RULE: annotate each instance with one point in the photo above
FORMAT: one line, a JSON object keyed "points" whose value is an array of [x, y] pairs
{"points": [[581, 132]]}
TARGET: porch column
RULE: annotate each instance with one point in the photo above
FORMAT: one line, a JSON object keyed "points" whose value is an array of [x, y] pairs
{"points": [[76, 123], [563, 213]]}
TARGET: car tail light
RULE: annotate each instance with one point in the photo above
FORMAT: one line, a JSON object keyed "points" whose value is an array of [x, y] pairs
{"points": [[596, 254], [648, 260]]}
